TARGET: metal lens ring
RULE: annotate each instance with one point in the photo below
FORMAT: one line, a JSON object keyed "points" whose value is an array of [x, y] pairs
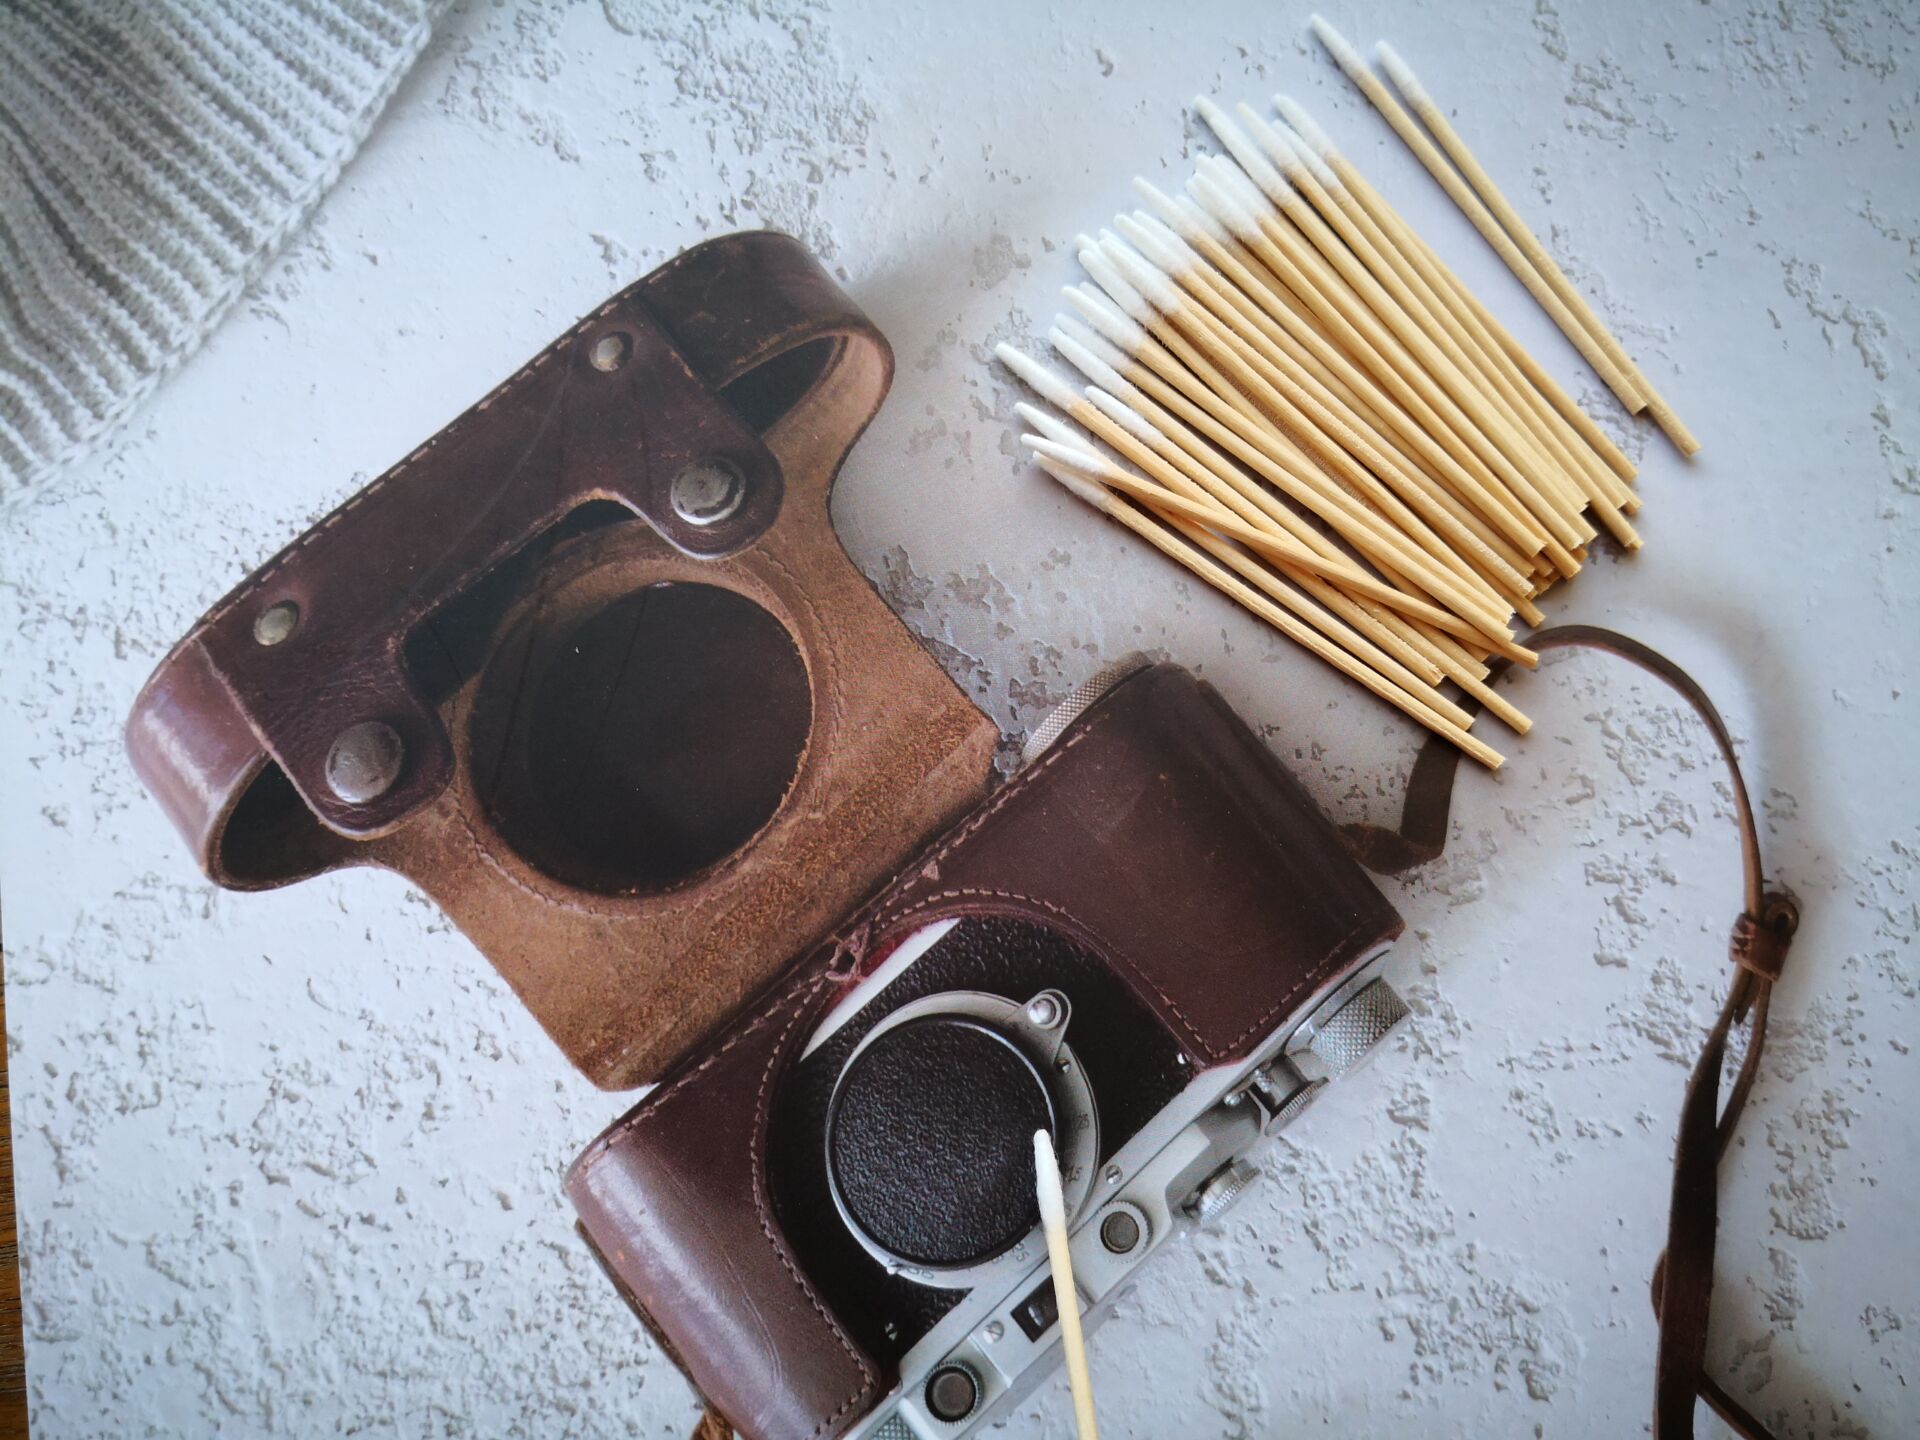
{"points": [[1034, 1030]]}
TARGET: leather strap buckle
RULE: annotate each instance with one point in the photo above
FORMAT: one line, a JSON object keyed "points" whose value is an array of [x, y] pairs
{"points": [[1759, 943]]}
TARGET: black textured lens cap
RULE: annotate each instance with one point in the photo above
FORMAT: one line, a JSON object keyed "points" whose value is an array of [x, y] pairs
{"points": [[930, 1140]]}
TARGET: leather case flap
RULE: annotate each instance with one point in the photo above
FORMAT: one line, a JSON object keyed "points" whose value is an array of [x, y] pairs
{"points": [[741, 356]]}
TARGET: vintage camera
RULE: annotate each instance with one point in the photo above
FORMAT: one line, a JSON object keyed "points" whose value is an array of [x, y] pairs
{"points": [[591, 669]]}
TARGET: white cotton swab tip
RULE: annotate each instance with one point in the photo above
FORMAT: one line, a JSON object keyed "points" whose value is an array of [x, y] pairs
{"points": [[1084, 488], [1053, 1220], [1306, 154], [1072, 456], [1107, 277], [1224, 207], [1124, 416], [1397, 70], [1183, 222], [1084, 359], [1305, 125], [1118, 329], [1246, 152], [1193, 221], [1344, 55], [1052, 427], [1164, 294], [1042, 381], [1096, 344], [1270, 141], [1159, 244]]}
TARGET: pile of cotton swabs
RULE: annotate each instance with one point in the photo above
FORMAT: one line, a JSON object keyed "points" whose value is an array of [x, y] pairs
{"points": [[1302, 405]]}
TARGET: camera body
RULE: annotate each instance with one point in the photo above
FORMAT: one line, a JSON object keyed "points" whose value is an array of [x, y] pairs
{"points": [[591, 668]]}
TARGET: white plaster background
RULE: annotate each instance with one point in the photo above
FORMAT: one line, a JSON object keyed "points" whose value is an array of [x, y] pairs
{"points": [[288, 1164]]}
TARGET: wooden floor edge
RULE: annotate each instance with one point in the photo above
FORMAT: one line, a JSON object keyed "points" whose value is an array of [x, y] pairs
{"points": [[13, 1349]]}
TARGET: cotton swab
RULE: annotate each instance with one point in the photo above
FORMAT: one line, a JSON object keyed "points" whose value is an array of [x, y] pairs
{"points": [[1560, 404], [1066, 1295], [1289, 394], [1201, 565], [1355, 69], [1362, 334], [1528, 244]]}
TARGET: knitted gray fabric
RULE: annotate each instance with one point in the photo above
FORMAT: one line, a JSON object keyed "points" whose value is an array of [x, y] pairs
{"points": [[154, 154]]}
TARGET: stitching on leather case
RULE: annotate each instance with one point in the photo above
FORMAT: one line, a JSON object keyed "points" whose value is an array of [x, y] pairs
{"points": [[273, 566], [660, 1096], [1312, 978], [1114, 952], [1108, 948], [796, 997], [868, 1376], [1013, 787]]}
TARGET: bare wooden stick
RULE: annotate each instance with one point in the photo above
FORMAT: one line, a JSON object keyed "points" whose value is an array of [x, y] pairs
{"points": [[1529, 244], [1215, 474], [1276, 546], [1575, 423], [1386, 644], [1330, 435], [1237, 323], [1300, 475], [1264, 452], [1326, 255], [1200, 458], [1372, 644], [1218, 265], [1349, 356], [1291, 296], [1361, 634], [1301, 170], [1383, 641], [1563, 404], [1093, 467]]}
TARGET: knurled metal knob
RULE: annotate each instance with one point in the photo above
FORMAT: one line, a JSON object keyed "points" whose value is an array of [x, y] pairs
{"points": [[1295, 1105], [1344, 1038], [1220, 1191], [953, 1391], [1077, 702]]}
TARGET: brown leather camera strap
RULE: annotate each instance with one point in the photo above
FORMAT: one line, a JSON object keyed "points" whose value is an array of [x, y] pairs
{"points": [[1683, 1276]]}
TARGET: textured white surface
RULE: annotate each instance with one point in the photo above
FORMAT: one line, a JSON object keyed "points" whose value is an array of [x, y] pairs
{"points": [[288, 1164]]}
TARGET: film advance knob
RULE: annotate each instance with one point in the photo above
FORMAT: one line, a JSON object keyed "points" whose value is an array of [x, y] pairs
{"points": [[1345, 1037]]}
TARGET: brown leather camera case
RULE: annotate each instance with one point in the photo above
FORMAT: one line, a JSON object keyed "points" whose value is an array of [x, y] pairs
{"points": [[741, 352], [1160, 832]]}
